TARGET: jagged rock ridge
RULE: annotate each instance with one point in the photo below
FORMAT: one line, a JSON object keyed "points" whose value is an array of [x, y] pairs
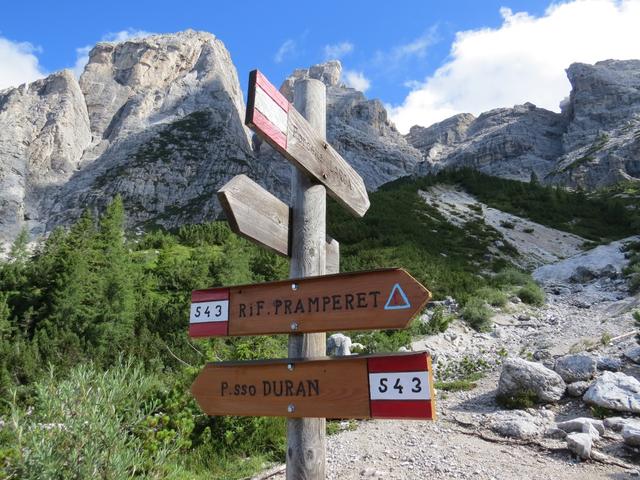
{"points": [[159, 120], [593, 142]]}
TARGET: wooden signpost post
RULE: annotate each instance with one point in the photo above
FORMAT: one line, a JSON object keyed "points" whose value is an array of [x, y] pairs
{"points": [[307, 387]]}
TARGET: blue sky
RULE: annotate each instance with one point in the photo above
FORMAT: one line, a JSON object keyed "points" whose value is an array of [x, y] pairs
{"points": [[393, 50]]}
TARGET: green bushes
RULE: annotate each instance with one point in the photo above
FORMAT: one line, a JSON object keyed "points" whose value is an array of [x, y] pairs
{"points": [[477, 314], [532, 294], [493, 296], [438, 323], [84, 427]]}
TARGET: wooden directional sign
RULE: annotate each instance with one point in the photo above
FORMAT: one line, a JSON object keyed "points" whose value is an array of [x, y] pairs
{"points": [[379, 386], [377, 299], [286, 130], [261, 217]]}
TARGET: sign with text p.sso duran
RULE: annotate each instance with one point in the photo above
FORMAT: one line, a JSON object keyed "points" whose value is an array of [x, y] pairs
{"points": [[377, 386], [379, 299]]}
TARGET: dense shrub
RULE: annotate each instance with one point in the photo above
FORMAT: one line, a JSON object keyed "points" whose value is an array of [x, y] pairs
{"points": [[532, 294], [477, 314], [493, 296]]}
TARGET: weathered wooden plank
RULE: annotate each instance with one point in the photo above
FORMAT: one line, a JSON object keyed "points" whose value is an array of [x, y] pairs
{"points": [[256, 214], [307, 149], [378, 299], [259, 216], [378, 386]]}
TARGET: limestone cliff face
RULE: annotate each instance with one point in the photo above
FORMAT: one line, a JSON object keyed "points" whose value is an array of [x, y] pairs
{"points": [[506, 142], [159, 121], [593, 142], [602, 143], [166, 115], [44, 130]]}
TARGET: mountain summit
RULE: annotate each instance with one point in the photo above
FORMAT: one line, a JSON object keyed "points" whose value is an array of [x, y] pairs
{"points": [[159, 120]]}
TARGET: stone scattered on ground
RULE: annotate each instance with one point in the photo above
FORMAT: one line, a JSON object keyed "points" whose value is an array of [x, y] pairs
{"points": [[576, 368], [577, 389], [581, 424], [521, 377], [609, 364], [615, 391], [631, 434], [618, 423], [580, 444], [521, 424], [633, 354]]}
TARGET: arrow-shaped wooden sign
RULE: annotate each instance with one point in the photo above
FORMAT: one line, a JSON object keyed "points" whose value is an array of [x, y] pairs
{"points": [[377, 386], [379, 299], [285, 129], [263, 218]]}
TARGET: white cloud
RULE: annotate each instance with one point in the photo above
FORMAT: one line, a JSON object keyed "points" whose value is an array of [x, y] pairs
{"points": [[356, 80], [288, 48], [337, 50], [523, 60], [82, 53], [398, 55], [18, 63]]}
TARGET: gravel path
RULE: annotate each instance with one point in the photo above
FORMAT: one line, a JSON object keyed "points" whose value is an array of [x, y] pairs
{"points": [[452, 446]]}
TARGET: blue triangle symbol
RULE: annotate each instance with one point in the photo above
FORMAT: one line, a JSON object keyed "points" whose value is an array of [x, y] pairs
{"points": [[397, 299]]}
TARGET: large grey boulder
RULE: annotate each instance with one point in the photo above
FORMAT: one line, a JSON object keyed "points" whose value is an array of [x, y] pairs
{"points": [[576, 368], [519, 376], [615, 391]]}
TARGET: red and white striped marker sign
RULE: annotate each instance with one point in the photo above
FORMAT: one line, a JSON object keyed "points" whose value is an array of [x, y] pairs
{"points": [[379, 386], [209, 314], [401, 386], [271, 115]]}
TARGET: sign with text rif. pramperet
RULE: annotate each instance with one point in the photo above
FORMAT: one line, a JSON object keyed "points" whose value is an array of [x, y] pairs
{"points": [[378, 386], [385, 299], [271, 115]]}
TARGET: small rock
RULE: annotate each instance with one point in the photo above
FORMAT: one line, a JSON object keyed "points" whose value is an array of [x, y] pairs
{"points": [[615, 423], [633, 354], [631, 434], [556, 433], [609, 364], [518, 424], [580, 444], [515, 299], [519, 376], [575, 368], [580, 424], [615, 391], [577, 389], [338, 345]]}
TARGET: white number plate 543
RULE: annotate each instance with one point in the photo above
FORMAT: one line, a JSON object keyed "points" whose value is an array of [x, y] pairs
{"points": [[217, 311], [399, 386]]}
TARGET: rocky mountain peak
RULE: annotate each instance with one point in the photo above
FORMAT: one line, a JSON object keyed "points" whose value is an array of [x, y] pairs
{"points": [[329, 73]]}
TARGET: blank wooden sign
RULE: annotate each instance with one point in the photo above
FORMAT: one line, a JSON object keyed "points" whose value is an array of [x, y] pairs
{"points": [[272, 116], [376, 299], [380, 386], [263, 218]]}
